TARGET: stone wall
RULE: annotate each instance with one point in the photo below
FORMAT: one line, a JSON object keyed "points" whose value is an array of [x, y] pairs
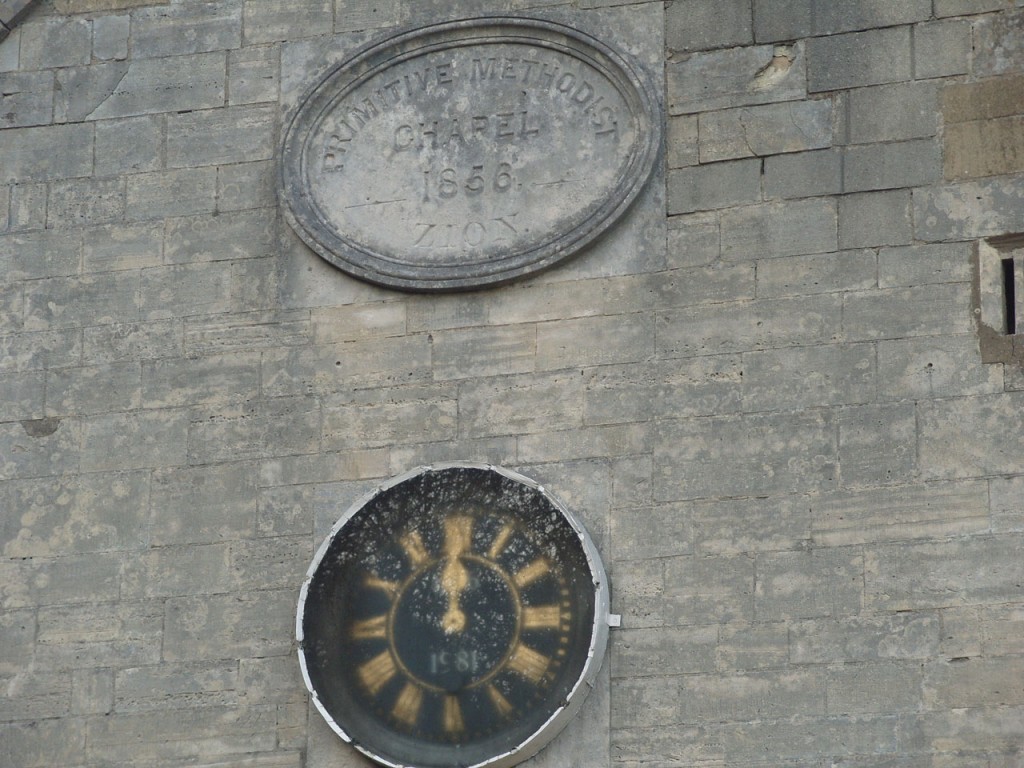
{"points": [[764, 390]]}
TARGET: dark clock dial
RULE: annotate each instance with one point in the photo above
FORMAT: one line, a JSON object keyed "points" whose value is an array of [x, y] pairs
{"points": [[448, 620]]}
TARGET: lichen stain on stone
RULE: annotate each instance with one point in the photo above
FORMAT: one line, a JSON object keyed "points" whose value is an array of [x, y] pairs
{"points": [[40, 427]]}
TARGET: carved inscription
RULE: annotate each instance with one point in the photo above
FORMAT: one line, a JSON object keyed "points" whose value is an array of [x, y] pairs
{"points": [[468, 154]]}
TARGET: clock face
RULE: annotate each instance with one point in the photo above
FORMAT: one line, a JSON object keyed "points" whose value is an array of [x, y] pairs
{"points": [[450, 616]]}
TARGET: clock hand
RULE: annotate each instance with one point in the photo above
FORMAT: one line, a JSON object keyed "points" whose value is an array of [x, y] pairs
{"points": [[454, 576]]}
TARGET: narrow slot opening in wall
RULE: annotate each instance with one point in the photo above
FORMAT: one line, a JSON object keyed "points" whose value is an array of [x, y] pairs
{"points": [[1009, 297], [999, 305]]}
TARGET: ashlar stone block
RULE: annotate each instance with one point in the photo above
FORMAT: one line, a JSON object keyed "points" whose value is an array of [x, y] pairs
{"points": [[765, 130], [736, 77], [858, 59], [998, 41], [26, 98]]}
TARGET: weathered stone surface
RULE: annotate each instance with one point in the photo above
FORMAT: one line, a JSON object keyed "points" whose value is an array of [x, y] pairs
{"points": [[941, 48], [969, 210], [804, 174], [987, 147], [895, 112], [854, 639], [182, 29], [930, 574], [110, 37], [26, 99], [115, 247], [271, 20], [922, 311], [134, 440], [91, 6], [230, 135], [868, 688], [949, 450], [743, 326], [94, 513], [704, 24], [998, 41], [180, 192], [911, 512], [824, 273], [919, 264], [91, 390], [779, 229], [876, 445], [56, 42], [736, 77], [41, 254], [77, 202], [789, 584], [251, 624], [129, 145], [765, 130], [965, 7], [808, 377], [741, 526], [716, 185], [254, 75], [791, 452], [784, 20], [872, 219], [700, 387], [858, 59], [889, 166], [470, 353], [934, 367], [277, 427], [46, 153], [174, 84]]}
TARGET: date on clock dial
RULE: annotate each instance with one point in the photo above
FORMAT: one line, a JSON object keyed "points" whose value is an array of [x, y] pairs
{"points": [[451, 619]]}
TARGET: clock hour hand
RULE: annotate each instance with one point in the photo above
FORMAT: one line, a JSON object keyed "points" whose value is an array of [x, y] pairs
{"points": [[454, 576]]}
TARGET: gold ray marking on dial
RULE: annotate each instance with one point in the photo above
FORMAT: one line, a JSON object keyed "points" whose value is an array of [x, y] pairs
{"points": [[375, 673], [542, 616], [500, 702], [530, 573], [414, 549], [529, 663], [390, 587], [407, 706], [500, 541], [370, 629], [453, 715], [458, 534]]}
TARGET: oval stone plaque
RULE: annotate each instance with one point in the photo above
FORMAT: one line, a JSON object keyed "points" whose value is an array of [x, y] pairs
{"points": [[468, 153]]}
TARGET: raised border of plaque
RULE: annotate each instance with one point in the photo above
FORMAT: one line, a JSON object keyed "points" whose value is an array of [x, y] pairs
{"points": [[468, 154]]}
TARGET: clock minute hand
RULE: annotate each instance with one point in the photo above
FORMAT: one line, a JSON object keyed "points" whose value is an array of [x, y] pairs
{"points": [[454, 576]]}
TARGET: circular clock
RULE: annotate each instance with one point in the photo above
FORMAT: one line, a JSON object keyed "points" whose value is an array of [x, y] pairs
{"points": [[455, 616]]}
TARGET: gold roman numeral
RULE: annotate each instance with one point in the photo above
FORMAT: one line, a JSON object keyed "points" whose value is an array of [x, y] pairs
{"points": [[453, 715], [414, 549], [389, 587], [542, 616], [500, 541], [529, 663], [370, 629], [458, 532], [500, 702], [532, 572], [407, 707], [375, 673]]}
